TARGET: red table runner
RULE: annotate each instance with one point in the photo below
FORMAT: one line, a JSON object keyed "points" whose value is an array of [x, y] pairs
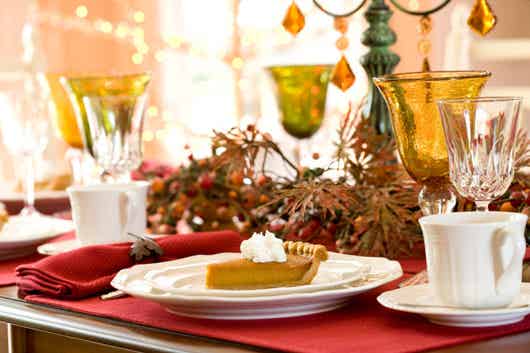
{"points": [[362, 327]]}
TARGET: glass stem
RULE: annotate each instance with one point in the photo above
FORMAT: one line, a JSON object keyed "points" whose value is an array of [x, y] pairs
{"points": [[297, 154], [436, 198], [106, 177], [74, 156], [29, 184], [482, 206]]}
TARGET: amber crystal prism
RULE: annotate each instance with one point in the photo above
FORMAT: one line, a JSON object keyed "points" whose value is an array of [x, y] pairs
{"points": [[294, 20], [482, 19], [342, 75]]}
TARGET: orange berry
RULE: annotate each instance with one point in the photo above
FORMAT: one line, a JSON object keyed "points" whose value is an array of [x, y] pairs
{"points": [[507, 207], [262, 180], [236, 177], [232, 194], [183, 198], [263, 198], [157, 185], [177, 210]]}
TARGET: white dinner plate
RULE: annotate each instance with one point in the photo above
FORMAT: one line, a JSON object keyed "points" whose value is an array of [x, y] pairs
{"points": [[20, 236], [187, 277], [289, 304], [418, 300]]}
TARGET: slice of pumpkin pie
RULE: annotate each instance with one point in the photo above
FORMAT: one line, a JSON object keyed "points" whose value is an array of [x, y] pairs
{"points": [[267, 262]]}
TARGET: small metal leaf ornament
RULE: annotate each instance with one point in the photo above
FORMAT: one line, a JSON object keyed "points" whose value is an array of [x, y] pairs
{"points": [[144, 247]]}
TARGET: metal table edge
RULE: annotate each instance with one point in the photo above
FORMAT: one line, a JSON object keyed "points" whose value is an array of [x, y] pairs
{"points": [[24, 314]]}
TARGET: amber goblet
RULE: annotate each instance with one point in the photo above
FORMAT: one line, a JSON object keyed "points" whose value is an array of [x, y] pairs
{"points": [[411, 99]]}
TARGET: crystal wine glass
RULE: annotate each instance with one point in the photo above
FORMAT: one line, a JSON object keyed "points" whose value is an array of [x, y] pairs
{"points": [[480, 134], [25, 130], [115, 124]]}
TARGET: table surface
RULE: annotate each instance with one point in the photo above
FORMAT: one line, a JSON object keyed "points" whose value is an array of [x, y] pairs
{"points": [[144, 339]]}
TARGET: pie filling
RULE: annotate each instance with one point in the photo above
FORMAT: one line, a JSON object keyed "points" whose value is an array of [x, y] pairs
{"points": [[300, 267]]}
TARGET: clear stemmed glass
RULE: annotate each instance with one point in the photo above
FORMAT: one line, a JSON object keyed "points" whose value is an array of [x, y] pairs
{"points": [[480, 134], [66, 125], [77, 87], [25, 130], [115, 124]]}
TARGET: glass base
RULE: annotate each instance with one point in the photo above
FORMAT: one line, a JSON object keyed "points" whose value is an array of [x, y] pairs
{"points": [[436, 199], [29, 211]]}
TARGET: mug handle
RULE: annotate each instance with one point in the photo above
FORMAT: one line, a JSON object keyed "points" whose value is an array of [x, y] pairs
{"points": [[126, 210], [502, 282]]}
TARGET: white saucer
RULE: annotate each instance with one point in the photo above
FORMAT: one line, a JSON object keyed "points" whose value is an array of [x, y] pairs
{"points": [[20, 236], [213, 306], [418, 300]]}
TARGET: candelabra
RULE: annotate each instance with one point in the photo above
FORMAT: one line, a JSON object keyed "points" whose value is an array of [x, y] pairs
{"points": [[378, 37]]}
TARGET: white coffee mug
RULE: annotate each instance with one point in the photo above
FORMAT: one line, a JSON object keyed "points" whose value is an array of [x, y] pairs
{"points": [[474, 259], [105, 213]]}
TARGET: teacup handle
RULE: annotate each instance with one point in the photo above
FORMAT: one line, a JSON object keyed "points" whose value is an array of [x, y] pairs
{"points": [[126, 210], [503, 281]]}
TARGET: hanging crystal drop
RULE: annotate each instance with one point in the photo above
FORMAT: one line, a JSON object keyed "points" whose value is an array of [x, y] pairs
{"points": [[294, 20], [342, 75], [482, 19]]}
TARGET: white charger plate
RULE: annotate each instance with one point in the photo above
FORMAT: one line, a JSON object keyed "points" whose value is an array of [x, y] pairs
{"points": [[187, 277], [418, 300], [21, 235], [289, 304]]}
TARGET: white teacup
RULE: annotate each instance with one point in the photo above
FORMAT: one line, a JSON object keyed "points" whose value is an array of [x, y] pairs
{"points": [[105, 213], [474, 259]]}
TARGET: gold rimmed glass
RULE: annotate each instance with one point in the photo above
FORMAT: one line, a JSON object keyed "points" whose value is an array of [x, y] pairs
{"points": [[77, 87], [411, 99], [65, 123]]}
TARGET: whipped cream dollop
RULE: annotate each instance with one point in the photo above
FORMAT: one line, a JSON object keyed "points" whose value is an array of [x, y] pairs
{"points": [[263, 248]]}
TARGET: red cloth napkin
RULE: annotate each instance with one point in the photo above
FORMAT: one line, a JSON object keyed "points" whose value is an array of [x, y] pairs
{"points": [[7, 267], [89, 270]]}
